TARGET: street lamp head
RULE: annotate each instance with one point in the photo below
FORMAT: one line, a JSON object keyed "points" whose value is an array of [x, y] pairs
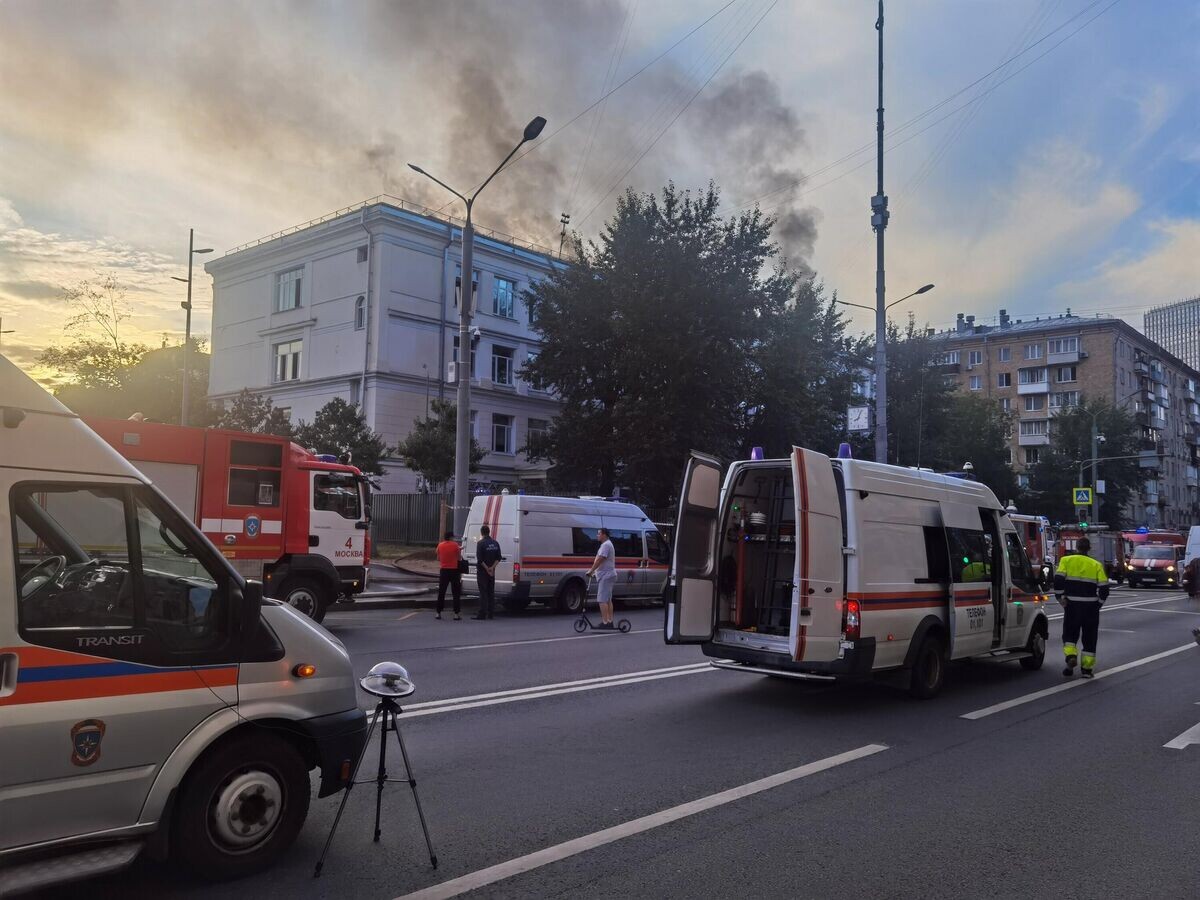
{"points": [[185, 305], [417, 169], [534, 128], [205, 250], [922, 290]]}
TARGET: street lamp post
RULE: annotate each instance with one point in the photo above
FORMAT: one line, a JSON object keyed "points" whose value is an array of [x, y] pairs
{"points": [[879, 220], [462, 442], [187, 329]]}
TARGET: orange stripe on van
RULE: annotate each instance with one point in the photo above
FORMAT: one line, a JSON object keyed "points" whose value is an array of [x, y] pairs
{"points": [[120, 686]]}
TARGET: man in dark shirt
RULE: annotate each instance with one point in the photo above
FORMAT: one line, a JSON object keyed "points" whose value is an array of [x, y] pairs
{"points": [[487, 557]]}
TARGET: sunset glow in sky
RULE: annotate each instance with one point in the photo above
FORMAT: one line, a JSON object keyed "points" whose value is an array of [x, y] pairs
{"points": [[1072, 183]]}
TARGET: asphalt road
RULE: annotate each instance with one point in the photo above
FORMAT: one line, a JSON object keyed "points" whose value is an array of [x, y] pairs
{"points": [[615, 766]]}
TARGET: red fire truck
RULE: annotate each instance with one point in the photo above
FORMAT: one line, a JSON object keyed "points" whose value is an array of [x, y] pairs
{"points": [[280, 514]]}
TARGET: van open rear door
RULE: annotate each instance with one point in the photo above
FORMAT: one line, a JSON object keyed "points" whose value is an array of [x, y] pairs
{"points": [[692, 589], [819, 587]]}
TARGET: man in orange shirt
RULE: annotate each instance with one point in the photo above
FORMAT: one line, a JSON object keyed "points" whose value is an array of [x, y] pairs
{"points": [[448, 554]]}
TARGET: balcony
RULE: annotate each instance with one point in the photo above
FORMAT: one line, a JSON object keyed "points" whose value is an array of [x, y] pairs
{"points": [[1036, 387], [1033, 440], [1150, 493], [1191, 476], [1058, 359]]}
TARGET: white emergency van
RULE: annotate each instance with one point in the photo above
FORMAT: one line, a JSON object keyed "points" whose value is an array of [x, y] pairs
{"points": [[150, 699], [548, 544], [818, 568]]}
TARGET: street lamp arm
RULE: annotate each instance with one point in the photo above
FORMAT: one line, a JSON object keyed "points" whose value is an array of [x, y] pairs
{"points": [[421, 171], [488, 180], [858, 305]]}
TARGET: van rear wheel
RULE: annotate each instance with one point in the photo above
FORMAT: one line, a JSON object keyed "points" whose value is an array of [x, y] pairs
{"points": [[929, 669], [572, 599], [241, 807]]}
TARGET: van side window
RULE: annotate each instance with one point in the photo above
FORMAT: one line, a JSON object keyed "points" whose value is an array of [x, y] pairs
{"points": [[627, 543], [584, 542], [1018, 565], [72, 558], [935, 554], [657, 548], [111, 560], [970, 555]]}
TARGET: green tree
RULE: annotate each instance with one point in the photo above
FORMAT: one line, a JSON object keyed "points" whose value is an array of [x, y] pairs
{"points": [[254, 413], [919, 397], [657, 341], [429, 448], [977, 433], [339, 428], [1057, 471]]}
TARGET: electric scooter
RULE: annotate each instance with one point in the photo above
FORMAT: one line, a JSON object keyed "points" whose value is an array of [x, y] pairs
{"points": [[583, 623]]}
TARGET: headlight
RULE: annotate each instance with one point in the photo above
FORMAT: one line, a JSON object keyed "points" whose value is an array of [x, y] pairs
{"points": [[1170, 568], [1129, 566]]}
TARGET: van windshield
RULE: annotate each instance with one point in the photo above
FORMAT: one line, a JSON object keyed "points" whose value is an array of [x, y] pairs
{"points": [[1162, 551]]}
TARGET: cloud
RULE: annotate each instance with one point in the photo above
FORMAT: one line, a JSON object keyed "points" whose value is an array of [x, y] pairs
{"points": [[1166, 271]]}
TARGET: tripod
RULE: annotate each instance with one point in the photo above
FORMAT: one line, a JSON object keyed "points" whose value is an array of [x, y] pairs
{"points": [[387, 711]]}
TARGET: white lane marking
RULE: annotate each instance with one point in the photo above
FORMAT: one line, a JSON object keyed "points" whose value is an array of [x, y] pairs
{"points": [[539, 690], [1110, 607], [1125, 630], [1074, 683], [536, 860], [573, 637], [1191, 736], [1178, 612]]}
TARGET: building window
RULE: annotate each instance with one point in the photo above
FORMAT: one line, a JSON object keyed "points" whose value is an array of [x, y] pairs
{"points": [[538, 429], [362, 253], [1035, 403], [1008, 457], [1064, 345], [287, 360], [1122, 376], [286, 412], [502, 365], [975, 358], [502, 427], [504, 293], [355, 392], [1033, 351], [1005, 354], [1034, 427], [474, 424], [1004, 379], [949, 358], [976, 382], [454, 355], [287, 289], [1064, 374], [1033, 455], [1064, 399], [458, 285], [1006, 404], [360, 313], [1031, 376], [1023, 481]]}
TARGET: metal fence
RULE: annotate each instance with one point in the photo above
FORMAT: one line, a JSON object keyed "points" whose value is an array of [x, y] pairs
{"points": [[414, 519]]}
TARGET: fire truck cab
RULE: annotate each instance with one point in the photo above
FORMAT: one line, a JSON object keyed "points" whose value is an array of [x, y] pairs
{"points": [[277, 512]]}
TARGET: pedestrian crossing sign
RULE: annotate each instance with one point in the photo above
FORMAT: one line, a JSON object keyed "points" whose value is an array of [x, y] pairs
{"points": [[1083, 496]]}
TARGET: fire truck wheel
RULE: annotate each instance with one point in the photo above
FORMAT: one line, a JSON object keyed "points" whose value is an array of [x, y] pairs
{"points": [[305, 596], [929, 669], [573, 598], [241, 807], [1134, 583]]}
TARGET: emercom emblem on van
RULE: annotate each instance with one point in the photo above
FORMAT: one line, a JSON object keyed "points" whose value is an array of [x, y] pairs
{"points": [[253, 524], [85, 741]]}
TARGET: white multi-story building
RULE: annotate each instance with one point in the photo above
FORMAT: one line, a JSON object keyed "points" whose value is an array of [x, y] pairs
{"points": [[363, 304]]}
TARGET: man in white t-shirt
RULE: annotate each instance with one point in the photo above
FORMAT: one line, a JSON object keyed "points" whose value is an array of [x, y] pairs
{"points": [[604, 567]]}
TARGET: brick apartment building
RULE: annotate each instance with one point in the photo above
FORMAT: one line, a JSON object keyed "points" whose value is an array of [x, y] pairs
{"points": [[1038, 368]]}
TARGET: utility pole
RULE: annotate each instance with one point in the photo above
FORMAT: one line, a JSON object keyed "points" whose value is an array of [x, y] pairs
{"points": [[879, 220], [187, 328], [1095, 507], [565, 218]]}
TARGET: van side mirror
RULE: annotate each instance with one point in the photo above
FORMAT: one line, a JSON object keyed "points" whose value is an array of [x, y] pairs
{"points": [[252, 600]]}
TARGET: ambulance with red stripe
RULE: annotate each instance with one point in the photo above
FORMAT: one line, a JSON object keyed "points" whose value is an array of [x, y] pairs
{"points": [[818, 569], [280, 514], [150, 699], [548, 544]]}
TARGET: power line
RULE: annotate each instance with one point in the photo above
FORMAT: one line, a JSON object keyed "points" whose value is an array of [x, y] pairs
{"points": [[941, 103], [642, 155]]}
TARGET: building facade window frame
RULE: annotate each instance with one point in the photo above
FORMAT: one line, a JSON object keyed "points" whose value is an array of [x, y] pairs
{"points": [[502, 429], [504, 297], [287, 357], [503, 365], [289, 289]]}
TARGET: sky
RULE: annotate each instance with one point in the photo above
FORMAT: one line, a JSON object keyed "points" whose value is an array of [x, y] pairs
{"points": [[1042, 154]]}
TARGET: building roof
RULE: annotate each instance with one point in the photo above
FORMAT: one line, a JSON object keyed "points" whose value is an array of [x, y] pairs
{"points": [[1065, 322], [406, 209]]}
